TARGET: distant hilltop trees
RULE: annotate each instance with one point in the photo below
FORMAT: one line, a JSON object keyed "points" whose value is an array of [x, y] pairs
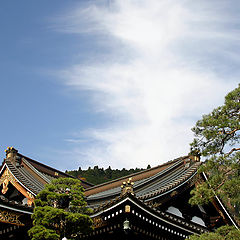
{"points": [[98, 175]]}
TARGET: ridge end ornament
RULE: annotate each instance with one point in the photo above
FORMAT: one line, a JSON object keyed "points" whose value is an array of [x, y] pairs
{"points": [[11, 152], [127, 187]]}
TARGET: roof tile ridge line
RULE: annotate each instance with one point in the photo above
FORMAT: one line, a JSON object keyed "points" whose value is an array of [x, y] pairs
{"points": [[53, 169], [25, 176], [175, 187], [159, 174], [170, 181], [184, 177], [138, 186], [188, 173], [35, 170], [135, 174], [44, 165], [31, 180], [158, 190], [20, 182], [175, 165], [170, 186]]}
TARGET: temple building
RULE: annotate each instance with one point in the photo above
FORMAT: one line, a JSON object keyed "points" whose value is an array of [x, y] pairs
{"points": [[21, 179], [151, 204]]}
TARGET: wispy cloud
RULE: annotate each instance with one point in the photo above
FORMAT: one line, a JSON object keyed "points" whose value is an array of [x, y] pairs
{"points": [[161, 75]]}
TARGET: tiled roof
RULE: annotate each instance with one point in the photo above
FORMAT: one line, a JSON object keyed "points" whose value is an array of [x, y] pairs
{"points": [[174, 179], [24, 177], [143, 175], [47, 170], [31, 174], [137, 185], [50, 172], [44, 176], [154, 185]]}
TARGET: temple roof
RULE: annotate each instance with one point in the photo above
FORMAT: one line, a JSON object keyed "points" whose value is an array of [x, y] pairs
{"points": [[31, 174], [150, 189], [148, 184], [22, 175]]}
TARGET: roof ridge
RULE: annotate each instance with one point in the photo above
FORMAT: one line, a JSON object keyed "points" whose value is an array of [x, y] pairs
{"points": [[138, 173], [44, 165], [30, 161], [30, 187], [34, 169], [187, 174]]}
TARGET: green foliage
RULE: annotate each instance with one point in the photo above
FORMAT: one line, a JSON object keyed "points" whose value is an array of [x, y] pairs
{"points": [[98, 175], [217, 137], [219, 130], [40, 232], [60, 209], [222, 233]]}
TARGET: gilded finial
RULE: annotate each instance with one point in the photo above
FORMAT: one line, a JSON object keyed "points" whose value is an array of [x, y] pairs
{"points": [[11, 152], [127, 187]]}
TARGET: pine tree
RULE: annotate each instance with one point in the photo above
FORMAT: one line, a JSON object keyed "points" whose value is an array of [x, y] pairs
{"points": [[60, 210], [217, 138]]}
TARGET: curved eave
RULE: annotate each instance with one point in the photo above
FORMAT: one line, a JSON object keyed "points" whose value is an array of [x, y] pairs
{"points": [[191, 228], [15, 209], [172, 186], [24, 186], [29, 186], [155, 186]]}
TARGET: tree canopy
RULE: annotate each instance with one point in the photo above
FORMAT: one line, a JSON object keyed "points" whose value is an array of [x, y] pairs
{"points": [[60, 210], [222, 233], [97, 175], [217, 138]]}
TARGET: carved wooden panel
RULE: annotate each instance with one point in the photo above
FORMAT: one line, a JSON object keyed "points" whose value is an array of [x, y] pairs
{"points": [[98, 222], [10, 217]]}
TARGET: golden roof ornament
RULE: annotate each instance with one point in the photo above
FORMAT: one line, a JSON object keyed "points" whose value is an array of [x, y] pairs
{"points": [[127, 187], [195, 155], [11, 152]]}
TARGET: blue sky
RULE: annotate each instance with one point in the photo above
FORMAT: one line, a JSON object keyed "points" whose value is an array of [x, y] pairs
{"points": [[107, 82]]}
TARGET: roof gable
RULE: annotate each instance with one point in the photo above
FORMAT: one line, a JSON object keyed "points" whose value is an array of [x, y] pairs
{"points": [[28, 176]]}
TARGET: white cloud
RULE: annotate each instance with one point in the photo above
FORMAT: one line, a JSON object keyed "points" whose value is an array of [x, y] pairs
{"points": [[163, 86]]}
